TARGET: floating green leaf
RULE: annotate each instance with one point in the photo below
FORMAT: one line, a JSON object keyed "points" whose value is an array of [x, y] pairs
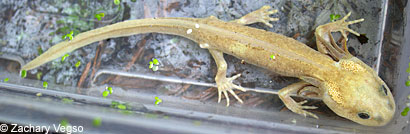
{"points": [[151, 64], [109, 89], [64, 122], [97, 122], [45, 84], [6, 79], [408, 70], [155, 61], [408, 83], [69, 35], [105, 93], [114, 104], [150, 115], [117, 2], [67, 100], [405, 111], [157, 100], [64, 57], [23, 73], [99, 16], [39, 74], [334, 17], [78, 64], [155, 68], [39, 50], [126, 112], [122, 107]]}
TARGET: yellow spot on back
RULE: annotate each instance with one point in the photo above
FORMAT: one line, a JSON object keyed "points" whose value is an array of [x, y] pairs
{"points": [[335, 93]]}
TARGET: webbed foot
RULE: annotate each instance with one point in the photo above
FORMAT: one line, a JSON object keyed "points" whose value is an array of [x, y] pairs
{"points": [[324, 39], [342, 26], [299, 109], [225, 85], [260, 15], [292, 105]]}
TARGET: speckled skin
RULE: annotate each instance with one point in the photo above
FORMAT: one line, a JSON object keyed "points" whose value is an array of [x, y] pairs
{"points": [[348, 86]]}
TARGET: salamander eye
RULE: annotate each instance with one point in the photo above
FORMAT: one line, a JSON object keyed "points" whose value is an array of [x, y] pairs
{"points": [[384, 90], [363, 115]]}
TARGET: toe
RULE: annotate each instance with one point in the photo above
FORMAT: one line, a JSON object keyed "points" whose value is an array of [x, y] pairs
{"points": [[239, 88], [236, 96], [219, 95], [226, 97], [302, 102], [309, 107]]}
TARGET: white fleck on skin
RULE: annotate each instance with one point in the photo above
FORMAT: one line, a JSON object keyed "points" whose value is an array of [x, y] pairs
{"points": [[294, 121], [189, 31], [205, 45], [196, 25]]}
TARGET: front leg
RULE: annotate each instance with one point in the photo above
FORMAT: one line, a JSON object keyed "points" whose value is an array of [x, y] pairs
{"points": [[224, 84], [260, 15], [325, 42], [292, 105]]}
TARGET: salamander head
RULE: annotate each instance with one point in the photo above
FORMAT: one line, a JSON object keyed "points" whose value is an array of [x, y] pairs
{"points": [[359, 94]]}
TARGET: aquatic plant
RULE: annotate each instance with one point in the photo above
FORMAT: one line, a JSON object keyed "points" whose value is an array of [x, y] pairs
{"points": [[334, 17], [157, 100]]}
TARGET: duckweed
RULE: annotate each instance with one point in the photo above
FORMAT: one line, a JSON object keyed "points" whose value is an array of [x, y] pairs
{"points": [[122, 107], [334, 17], [155, 68], [77, 64], [45, 84], [114, 104], [97, 122], [110, 89], [157, 100], [99, 16], [6, 79], [117, 2], [23, 73], [149, 115], [154, 65], [105, 93], [64, 57], [69, 35], [64, 122], [67, 100], [151, 64], [408, 83], [405, 111], [39, 50], [155, 61], [39, 74]]}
